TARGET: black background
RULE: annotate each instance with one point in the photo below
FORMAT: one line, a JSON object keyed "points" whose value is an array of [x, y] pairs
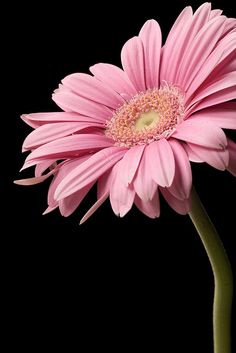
{"points": [[110, 284]]}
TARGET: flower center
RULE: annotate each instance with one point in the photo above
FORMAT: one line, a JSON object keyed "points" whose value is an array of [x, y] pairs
{"points": [[147, 117], [147, 120]]}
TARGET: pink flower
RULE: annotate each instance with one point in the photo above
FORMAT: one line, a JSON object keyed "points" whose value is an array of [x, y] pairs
{"points": [[134, 131]]}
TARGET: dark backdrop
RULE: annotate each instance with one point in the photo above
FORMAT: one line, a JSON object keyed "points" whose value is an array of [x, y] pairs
{"points": [[124, 284]]}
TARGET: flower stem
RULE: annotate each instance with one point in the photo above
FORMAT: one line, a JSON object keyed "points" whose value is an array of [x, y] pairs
{"points": [[222, 272]]}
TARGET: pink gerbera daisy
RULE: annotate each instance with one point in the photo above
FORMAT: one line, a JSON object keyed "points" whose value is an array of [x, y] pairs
{"points": [[135, 130]]}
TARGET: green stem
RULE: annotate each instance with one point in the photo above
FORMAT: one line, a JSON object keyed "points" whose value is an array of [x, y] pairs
{"points": [[223, 277]]}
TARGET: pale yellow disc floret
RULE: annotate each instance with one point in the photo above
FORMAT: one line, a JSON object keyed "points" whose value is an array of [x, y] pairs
{"points": [[147, 121]]}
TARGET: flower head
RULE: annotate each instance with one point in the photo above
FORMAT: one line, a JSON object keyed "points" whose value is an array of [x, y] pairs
{"points": [[134, 131]]}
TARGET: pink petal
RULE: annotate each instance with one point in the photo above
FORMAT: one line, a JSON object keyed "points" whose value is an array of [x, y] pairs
{"points": [[223, 115], [69, 204], [180, 206], [114, 77], [132, 57], [225, 95], [218, 159], [202, 133], [232, 157], [192, 156], [178, 25], [41, 167], [68, 147], [150, 208], [199, 50], [130, 163], [227, 65], [150, 35], [50, 209], [171, 52], [66, 168], [199, 19], [230, 26], [143, 183], [161, 162], [37, 119], [212, 66], [52, 203], [224, 82], [94, 208], [227, 62], [52, 132], [38, 178], [121, 196], [89, 171], [31, 181], [182, 183], [104, 182], [215, 13], [91, 88], [191, 30], [69, 101]]}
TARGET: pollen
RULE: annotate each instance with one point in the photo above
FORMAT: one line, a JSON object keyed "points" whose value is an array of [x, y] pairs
{"points": [[148, 116]]}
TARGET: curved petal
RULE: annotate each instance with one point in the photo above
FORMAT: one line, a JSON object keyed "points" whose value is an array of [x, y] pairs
{"points": [[161, 162], [50, 209], [232, 157], [174, 42], [69, 101], [150, 208], [192, 156], [114, 77], [225, 95], [67, 167], [200, 17], [69, 204], [132, 57], [200, 48], [37, 119], [94, 208], [91, 88], [103, 190], [215, 13], [130, 163], [121, 196], [143, 183], [215, 65], [182, 182], [223, 115], [52, 203], [41, 167], [230, 26], [51, 132], [227, 64], [104, 182], [191, 30], [180, 206], [180, 22], [66, 147], [218, 159], [201, 132], [89, 171], [227, 61], [32, 181], [150, 35], [39, 178], [220, 84]]}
